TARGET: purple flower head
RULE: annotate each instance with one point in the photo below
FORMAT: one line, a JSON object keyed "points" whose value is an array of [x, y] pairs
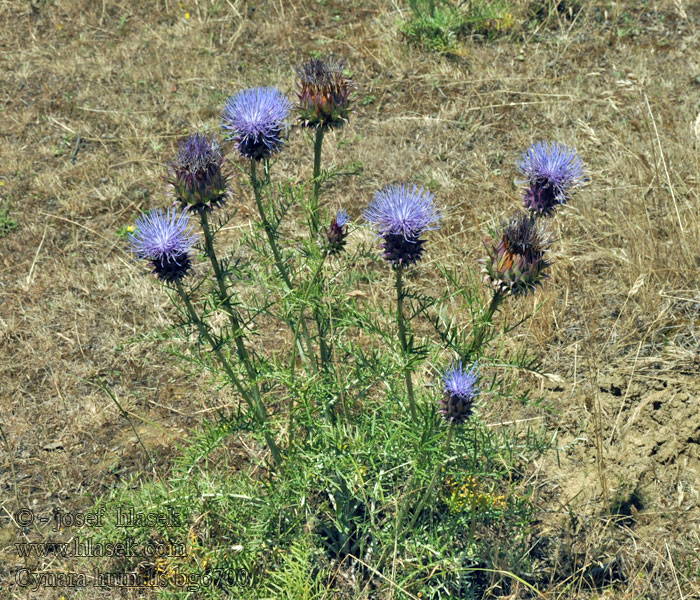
{"points": [[552, 171], [254, 118], [337, 232], [400, 214], [517, 263], [323, 93], [165, 240], [460, 390], [198, 180]]}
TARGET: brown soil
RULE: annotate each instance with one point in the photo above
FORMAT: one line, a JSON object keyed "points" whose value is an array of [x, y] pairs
{"points": [[623, 487]]}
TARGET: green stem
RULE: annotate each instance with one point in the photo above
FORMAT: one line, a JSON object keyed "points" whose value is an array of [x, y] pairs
{"points": [[431, 485], [278, 256], [404, 341], [266, 168], [323, 345], [256, 407], [292, 363], [472, 510], [236, 328], [478, 339], [318, 146], [325, 352], [266, 225]]}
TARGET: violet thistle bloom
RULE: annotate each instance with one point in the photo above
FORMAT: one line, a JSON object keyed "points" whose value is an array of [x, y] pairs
{"points": [[254, 118], [335, 234], [400, 215], [461, 389], [552, 171], [516, 264], [165, 240], [197, 177], [323, 96]]}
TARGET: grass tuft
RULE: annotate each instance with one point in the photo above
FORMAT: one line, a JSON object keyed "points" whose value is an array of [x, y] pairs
{"points": [[7, 222], [443, 25]]}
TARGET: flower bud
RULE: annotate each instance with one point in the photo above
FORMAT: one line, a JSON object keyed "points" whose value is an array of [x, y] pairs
{"points": [[516, 264], [323, 96], [197, 176], [336, 233]]}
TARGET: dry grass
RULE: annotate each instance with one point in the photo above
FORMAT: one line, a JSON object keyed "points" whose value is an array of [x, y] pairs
{"points": [[96, 96]]}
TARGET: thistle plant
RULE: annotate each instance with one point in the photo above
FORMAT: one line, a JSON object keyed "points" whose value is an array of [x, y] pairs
{"points": [[401, 215], [461, 388], [309, 281], [166, 239], [516, 263], [255, 119], [456, 406], [200, 185], [323, 102], [552, 171]]}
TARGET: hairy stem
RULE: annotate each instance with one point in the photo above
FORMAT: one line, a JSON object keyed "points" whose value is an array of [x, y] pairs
{"points": [[224, 298], [284, 273], [257, 189], [318, 146], [323, 345], [404, 341], [256, 406], [478, 339]]}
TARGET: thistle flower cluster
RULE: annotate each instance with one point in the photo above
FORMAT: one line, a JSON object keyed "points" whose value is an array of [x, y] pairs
{"points": [[197, 176], [401, 215], [165, 239], [255, 120], [324, 94], [336, 234], [552, 170], [516, 262], [459, 392]]}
